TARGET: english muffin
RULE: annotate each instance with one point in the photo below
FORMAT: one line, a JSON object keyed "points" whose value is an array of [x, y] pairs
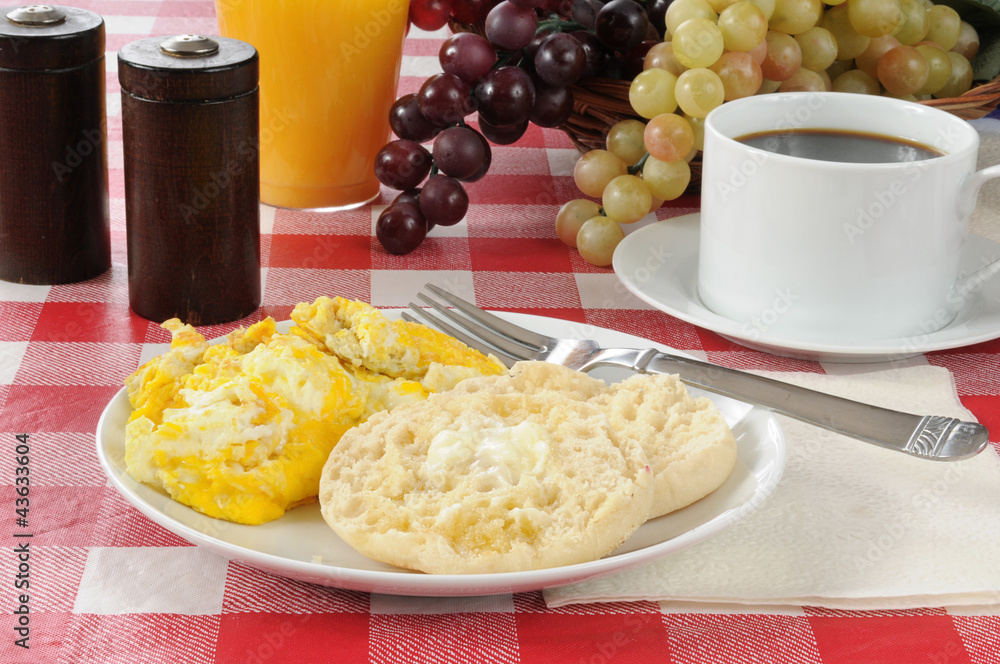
{"points": [[502, 475], [690, 448]]}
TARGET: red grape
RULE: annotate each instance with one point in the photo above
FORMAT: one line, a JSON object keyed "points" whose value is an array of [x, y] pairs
{"points": [[509, 27], [408, 122], [443, 200], [528, 3], [458, 152], [411, 196], [484, 167], [468, 56], [402, 164], [408, 196], [553, 106], [657, 12], [592, 50], [471, 12], [445, 99], [429, 15], [560, 60], [621, 25], [584, 12], [503, 135], [401, 228], [505, 96]]}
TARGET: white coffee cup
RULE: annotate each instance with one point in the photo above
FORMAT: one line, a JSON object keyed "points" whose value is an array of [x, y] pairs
{"points": [[824, 251]]}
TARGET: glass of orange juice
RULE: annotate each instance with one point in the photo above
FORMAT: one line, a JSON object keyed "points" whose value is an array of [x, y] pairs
{"points": [[328, 75]]}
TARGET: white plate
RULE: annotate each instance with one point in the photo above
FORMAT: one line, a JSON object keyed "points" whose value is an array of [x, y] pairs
{"points": [[301, 546], [659, 264]]}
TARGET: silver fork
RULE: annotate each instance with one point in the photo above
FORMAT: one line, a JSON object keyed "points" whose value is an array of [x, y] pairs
{"points": [[926, 436]]}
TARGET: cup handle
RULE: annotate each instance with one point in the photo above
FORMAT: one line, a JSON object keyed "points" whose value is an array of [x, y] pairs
{"points": [[966, 204]]}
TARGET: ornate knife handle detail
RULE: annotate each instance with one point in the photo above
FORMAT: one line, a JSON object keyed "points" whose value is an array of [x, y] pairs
{"points": [[935, 434]]}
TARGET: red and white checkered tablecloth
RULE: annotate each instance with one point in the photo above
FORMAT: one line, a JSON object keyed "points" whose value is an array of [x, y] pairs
{"points": [[98, 591]]}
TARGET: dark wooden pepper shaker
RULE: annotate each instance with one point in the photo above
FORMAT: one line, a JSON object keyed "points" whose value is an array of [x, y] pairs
{"points": [[54, 223], [192, 177]]}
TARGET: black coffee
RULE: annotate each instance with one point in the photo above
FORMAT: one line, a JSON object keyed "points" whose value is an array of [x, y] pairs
{"points": [[836, 145]]}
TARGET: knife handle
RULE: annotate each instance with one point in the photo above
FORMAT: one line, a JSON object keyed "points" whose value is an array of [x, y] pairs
{"points": [[926, 436]]}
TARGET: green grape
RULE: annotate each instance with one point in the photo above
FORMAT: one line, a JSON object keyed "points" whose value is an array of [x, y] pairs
{"points": [[698, 91], [681, 10], [666, 179], [669, 137], [698, 42], [819, 48], [915, 24], [784, 57], [850, 43], [903, 70], [944, 26], [652, 93], [938, 68], [626, 199], [767, 86], [766, 6], [624, 140], [968, 42], [661, 56], [960, 80], [698, 129], [839, 67], [877, 47], [874, 18], [857, 81], [597, 240], [595, 169], [804, 80], [720, 5], [571, 217], [743, 26], [740, 75], [759, 53], [795, 16]]}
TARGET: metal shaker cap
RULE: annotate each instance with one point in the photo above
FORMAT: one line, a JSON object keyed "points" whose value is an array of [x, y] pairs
{"points": [[36, 15], [189, 46]]}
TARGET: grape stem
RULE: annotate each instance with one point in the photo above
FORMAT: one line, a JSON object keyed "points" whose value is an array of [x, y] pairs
{"points": [[637, 167], [559, 25]]}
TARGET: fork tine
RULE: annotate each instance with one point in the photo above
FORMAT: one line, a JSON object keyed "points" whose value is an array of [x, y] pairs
{"points": [[468, 340], [515, 332], [483, 332]]}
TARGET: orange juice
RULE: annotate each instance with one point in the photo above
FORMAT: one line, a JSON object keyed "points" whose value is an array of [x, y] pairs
{"points": [[328, 75]]}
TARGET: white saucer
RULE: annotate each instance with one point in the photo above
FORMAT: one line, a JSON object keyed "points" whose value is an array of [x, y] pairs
{"points": [[659, 264]]}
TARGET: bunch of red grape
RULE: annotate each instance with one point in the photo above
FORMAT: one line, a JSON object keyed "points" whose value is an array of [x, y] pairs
{"points": [[519, 73]]}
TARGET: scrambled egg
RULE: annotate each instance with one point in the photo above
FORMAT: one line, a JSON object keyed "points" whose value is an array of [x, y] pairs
{"points": [[241, 430]]}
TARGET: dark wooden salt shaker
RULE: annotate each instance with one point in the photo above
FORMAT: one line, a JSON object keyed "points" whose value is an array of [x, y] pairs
{"points": [[54, 222], [192, 177]]}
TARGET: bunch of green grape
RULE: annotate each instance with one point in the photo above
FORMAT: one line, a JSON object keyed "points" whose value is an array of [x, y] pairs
{"points": [[719, 50]]}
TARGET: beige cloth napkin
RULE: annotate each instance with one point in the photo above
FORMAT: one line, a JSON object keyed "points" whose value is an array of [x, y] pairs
{"points": [[849, 526]]}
